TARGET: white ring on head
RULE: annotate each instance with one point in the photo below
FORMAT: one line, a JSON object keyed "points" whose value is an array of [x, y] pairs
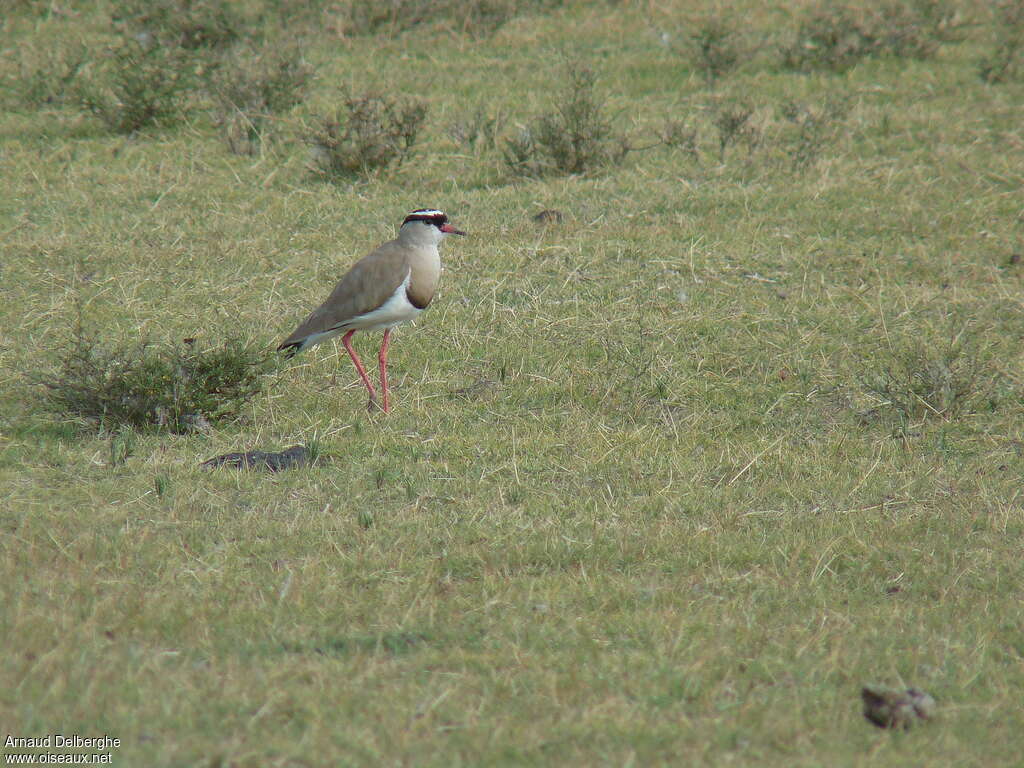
{"points": [[427, 212]]}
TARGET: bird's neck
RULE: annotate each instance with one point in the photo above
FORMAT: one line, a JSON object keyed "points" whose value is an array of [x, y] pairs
{"points": [[427, 238]]}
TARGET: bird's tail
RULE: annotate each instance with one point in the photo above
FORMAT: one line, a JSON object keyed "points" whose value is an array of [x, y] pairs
{"points": [[291, 349]]}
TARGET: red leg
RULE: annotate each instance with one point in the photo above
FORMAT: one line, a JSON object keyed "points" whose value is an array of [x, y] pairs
{"points": [[359, 366], [382, 358]]}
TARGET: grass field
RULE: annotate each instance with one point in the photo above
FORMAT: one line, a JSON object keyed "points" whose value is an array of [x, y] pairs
{"points": [[665, 482]]}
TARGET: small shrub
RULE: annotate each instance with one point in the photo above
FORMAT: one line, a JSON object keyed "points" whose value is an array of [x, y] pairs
{"points": [[52, 82], [254, 86], [922, 380], [837, 37], [479, 129], [176, 387], [244, 131], [712, 44], [521, 154], [636, 350], [814, 128], [575, 137], [716, 48], [732, 121], [478, 18], [190, 24], [297, 15], [142, 85], [34, 7], [678, 134], [828, 38], [370, 17], [1006, 61], [368, 133], [912, 30]]}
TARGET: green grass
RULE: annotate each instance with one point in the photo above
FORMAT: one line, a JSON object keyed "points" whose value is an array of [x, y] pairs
{"points": [[641, 498]]}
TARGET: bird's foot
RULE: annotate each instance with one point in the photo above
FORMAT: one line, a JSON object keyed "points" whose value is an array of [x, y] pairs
{"points": [[373, 406]]}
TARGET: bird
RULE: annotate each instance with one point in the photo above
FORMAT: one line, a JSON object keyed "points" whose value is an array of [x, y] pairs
{"points": [[392, 284]]}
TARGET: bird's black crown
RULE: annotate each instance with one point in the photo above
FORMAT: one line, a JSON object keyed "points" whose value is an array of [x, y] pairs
{"points": [[429, 216]]}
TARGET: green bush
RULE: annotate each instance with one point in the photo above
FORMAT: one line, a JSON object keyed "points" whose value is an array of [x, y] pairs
{"points": [[812, 128], [732, 123], [190, 24], [919, 380], [478, 18], [142, 85], [53, 80], [477, 130], [716, 48], [576, 136], [366, 134], [1006, 62], [251, 87], [837, 37], [178, 387]]}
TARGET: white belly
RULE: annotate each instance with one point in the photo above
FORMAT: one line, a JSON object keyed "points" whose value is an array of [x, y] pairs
{"points": [[397, 309]]}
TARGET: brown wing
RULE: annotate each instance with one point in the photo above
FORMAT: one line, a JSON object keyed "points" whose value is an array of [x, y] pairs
{"points": [[371, 281]]}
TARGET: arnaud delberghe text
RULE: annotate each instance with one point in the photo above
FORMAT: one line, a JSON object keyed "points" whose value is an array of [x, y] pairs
{"points": [[59, 741]]}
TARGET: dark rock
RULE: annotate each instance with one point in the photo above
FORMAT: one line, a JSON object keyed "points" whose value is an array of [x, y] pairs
{"points": [[291, 458], [548, 216], [894, 708]]}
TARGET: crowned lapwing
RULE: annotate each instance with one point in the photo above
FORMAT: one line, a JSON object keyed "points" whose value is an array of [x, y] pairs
{"points": [[389, 286]]}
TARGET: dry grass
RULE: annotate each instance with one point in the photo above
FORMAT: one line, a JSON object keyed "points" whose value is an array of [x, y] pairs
{"points": [[631, 504]]}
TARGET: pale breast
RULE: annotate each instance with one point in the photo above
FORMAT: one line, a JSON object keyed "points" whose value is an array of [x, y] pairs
{"points": [[425, 265], [397, 309]]}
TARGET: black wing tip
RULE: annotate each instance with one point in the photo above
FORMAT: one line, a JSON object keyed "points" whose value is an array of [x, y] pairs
{"points": [[290, 350]]}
